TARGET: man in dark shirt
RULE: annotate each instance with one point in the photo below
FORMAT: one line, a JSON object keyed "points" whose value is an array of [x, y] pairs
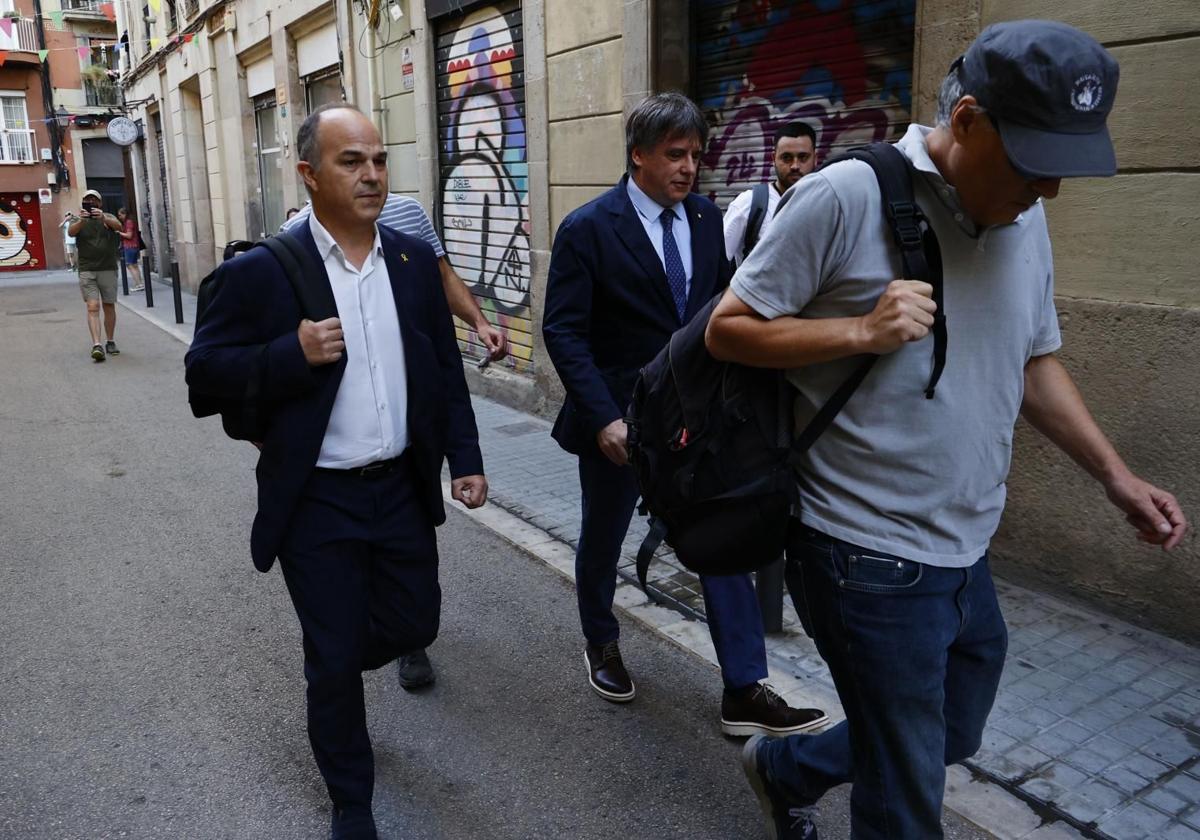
{"points": [[96, 243]]}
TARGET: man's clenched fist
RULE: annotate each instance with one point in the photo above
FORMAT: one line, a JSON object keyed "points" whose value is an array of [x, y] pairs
{"points": [[903, 313], [321, 341]]}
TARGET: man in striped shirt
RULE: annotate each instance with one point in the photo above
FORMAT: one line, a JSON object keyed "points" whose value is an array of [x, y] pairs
{"points": [[405, 214]]}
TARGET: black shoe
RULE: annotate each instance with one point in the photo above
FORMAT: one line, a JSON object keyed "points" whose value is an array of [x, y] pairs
{"points": [[758, 710], [785, 820], [352, 823], [111, 348], [97, 353], [415, 670], [606, 673]]}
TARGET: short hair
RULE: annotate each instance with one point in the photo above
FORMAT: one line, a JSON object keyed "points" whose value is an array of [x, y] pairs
{"points": [[121, 210], [663, 116], [307, 147], [796, 129], [950, 92]]}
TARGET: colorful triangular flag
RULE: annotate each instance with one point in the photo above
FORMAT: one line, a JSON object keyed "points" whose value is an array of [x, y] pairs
{"points": [[42, 54], [84, 52], [109, 10], [57, 17], [154, 43], [3, 57], [156, 6], [187, 39], [6, 26]]}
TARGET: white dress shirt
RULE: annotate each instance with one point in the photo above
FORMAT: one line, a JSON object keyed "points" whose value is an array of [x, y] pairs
{"points": [[649, 212], [369, 421], [737, 217]]}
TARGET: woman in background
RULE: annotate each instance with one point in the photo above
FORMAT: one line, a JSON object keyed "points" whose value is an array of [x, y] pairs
{"points": [[130, 248]]}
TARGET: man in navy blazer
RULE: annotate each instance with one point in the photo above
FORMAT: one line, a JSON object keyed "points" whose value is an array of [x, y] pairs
{"points": [[626, 271], [362, 407]]}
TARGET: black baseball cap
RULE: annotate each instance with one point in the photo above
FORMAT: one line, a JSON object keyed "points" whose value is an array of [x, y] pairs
{"points": [[1049, 87]]}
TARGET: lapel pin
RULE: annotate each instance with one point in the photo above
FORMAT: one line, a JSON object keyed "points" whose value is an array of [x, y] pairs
{"points": [[404, 257]]}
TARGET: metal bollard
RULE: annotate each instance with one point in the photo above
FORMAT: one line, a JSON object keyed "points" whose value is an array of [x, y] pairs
{"points": [[176, 292], [124, 273], [148, 282], [768, 587]]}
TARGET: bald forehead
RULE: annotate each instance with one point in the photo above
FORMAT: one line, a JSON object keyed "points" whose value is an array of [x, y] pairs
{"points": [[341, 126]]}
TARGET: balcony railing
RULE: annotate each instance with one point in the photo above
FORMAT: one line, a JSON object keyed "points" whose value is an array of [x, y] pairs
{"points": [[16, 145], [190, 8], [81, 6], [23, 38], [101, 93]]}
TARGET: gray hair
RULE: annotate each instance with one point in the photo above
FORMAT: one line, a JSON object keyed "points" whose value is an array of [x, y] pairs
{"points": [[663, 116], [307, 147], [949, 94]]}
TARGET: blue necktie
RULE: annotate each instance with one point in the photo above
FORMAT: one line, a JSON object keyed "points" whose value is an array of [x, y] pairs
{"points": [[676, 279]]}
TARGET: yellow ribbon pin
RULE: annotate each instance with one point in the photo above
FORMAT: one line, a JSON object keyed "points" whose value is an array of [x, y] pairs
{"points": [[404, 257]]}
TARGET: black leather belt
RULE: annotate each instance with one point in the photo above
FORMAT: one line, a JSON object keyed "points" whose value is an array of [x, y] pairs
{"points": [[375, 469]]}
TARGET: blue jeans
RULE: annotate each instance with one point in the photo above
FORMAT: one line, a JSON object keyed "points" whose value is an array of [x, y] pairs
{"points": [[916, 653]]}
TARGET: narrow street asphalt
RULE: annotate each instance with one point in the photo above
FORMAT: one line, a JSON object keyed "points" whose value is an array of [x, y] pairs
{"points": [[151, 684]]}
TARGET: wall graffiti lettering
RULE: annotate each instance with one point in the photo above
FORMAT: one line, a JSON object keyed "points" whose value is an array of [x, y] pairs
{"points": [[844, 67], [484, 169]]}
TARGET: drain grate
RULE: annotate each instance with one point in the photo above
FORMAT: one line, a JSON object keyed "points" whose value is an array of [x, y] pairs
{"points": [[16, 312]]}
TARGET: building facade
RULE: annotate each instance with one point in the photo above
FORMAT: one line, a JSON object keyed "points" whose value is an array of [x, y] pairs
{"points": [[219, 90], [57, 91]]}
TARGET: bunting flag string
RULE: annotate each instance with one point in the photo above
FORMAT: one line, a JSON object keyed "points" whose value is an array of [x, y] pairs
{"points": [[84, 52]]}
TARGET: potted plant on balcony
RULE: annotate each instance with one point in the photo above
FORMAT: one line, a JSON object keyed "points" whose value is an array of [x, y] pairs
{"points": [[11, 13]]}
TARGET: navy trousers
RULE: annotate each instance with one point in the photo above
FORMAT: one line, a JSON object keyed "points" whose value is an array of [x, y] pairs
{"points": [[734, 621], [360, 561]]}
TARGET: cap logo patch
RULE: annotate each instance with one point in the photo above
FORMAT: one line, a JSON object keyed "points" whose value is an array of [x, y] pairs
{"points": [[1086, 94]]}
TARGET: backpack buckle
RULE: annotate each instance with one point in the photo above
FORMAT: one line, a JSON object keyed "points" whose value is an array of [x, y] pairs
{"points": [[904, 216]]}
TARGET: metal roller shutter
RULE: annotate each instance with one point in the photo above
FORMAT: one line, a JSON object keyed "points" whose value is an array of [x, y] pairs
{"points": [[844, 67], [484, 194]]}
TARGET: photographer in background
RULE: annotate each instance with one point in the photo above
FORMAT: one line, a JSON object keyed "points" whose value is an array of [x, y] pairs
{"points": [[95, 235]]}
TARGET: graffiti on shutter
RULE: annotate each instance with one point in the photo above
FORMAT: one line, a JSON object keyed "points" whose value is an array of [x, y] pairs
{"points": [[842, 66], [22, 247], [484, 194]]}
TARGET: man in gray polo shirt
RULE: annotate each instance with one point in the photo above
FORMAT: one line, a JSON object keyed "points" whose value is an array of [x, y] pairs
{"points": [[888, 562]]}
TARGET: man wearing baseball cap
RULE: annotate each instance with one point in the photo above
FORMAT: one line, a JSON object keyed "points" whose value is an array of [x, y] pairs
{"points": [[900, 497], [96, 245]]}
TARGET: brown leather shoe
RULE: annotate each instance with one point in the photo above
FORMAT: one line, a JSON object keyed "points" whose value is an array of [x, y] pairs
{"points": [[758, 710], [606, 673]]}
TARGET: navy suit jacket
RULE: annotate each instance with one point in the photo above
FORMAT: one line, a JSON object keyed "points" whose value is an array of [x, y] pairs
{"points": [[609, 309], [250, 331]]}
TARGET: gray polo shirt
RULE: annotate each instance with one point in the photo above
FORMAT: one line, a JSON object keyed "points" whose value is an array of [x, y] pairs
{"points": [[896, 472]]}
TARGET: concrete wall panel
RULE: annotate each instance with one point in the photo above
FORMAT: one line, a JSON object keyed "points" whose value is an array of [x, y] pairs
{"points": [[565, 199], [1154, 124], [1137, 367], [571, 24], [588, 151], [400, 124], [1130, 238], [1105, 20], [585, 81]]}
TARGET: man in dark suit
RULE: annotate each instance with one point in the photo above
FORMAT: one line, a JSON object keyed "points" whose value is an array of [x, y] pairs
{"points": [[627, 270], [362, 409]]}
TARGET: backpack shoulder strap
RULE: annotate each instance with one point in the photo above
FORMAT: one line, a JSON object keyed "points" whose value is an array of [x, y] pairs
{"points": [[305, 274], [759, 199], [920, 254], [920, 257]]}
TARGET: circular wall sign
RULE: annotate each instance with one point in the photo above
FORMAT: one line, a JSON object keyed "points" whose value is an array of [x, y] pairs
{"points": [[122, 131]]}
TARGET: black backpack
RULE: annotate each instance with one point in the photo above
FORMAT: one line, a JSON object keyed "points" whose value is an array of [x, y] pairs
{"points": [[759, 200], [246, 418], [711, 442]]}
